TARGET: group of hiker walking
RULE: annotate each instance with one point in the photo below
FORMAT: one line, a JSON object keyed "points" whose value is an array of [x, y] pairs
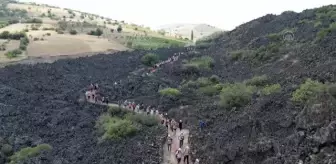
{"points": [[94, 95], [174, 58], [181, 152]]}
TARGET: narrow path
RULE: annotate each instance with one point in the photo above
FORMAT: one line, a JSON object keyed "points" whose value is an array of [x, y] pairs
{"points": [[168, 156]]}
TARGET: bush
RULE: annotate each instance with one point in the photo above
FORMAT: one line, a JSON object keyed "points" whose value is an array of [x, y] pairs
{"points": [[146, 120], [214, 79], [13, 54], [34, 20], [209, 90], [258, 81], [269, 89], [332, 90], [115, 128], [170, 92], [34, 28], [14, 36], [23, 43], [236, 95], [307, 91], [204, 62], [119, 29], [29, 152], [98, 32], [60, 32], [7, 149], [149, 59], [48, 34], [36, 39], [73, 32], [236, 55]]}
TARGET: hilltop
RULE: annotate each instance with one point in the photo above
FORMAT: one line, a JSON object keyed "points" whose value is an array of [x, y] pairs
{"points": [[184, 30], [266, 91], [49, 31]]}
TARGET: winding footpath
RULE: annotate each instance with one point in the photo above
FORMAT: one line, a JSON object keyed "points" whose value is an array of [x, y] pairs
{"points": [[168, 156]]}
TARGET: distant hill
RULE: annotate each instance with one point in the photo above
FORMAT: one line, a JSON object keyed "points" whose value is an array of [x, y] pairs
{"points": [[184, 30]]}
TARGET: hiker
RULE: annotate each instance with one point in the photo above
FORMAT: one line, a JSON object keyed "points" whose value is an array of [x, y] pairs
{"points": [[169, 142], [103, 100], [181, 138], [95, 87], [162, 119], [152, 112], [171, 124], [137, 107], [174, 127], [178, 155], [125, 103], [87, 95], [186, 154], [167, 124], [148, 110], [106, 100], [180, 125], [202, 125], [133, 106], [196, 161], [91, 87]]}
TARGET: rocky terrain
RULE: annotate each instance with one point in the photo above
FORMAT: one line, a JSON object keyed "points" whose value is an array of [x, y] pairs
{"points": [[39, 103]]}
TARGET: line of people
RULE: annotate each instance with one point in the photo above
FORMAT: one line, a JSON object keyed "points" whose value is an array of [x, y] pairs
{"points": [[172, 59], [93, 96]]}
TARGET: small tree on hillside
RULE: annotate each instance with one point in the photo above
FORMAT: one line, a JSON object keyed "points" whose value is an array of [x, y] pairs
{"points": [[119, 29], [99, 32], [149, 59]]}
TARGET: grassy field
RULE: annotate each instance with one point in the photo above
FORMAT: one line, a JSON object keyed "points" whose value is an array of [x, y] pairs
{"points": [[51, 36]]}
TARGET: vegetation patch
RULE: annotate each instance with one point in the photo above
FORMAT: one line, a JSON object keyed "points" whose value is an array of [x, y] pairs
{"points": [[119, 123], [115, 128], [326, 31], [235, 95], [152, 43], [13, 54], [97, 32], [13, 36], [29, 152], [308, 90], [149, 59], [258, 81], [270, 89], [170, 92], [204, 62]]}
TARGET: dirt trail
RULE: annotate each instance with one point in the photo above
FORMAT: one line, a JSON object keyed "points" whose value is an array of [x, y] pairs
{"points": [[169, 156]]}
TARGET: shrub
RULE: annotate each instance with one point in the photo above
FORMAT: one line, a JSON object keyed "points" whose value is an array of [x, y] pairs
{"points": [[209, 90], [29, 152], [7, 149], [48, 34], [269, 89], [36, 39], [149, 59], [115, 128], [146, 120], [274, 37], [236, 55], [34, 20], [60, 32], [13, 53], [258, 81], [307, 91], [332, 90], [204, 62], [214, 79], [34, 28], [119, 29], [23, 43], [236, 95], [170, 92], [116, 111], [73, 32]]}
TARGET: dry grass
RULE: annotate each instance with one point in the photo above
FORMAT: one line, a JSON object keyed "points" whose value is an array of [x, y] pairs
{"points": [[56, 45], [11, 45]]}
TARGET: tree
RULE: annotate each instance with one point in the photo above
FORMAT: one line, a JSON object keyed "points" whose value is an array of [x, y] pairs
{"points": [[73, 32], [192, 35], [99, 32], [119, 29], [112, 30]]}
